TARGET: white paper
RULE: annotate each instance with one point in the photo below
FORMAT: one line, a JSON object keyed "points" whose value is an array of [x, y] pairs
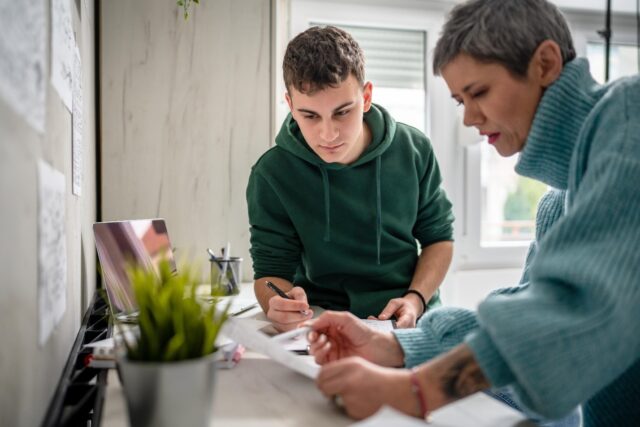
{"points": [[478, 410], [62, 44], [379, 325], [52, 249], [23, 59], [243, 332], [78, 125], [387, 416], [300, 343]]}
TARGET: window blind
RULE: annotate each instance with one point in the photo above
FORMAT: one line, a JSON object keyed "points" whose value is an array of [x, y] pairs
{"points": [[394, 58]]}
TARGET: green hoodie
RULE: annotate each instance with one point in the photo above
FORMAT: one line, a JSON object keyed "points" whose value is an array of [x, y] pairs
{"points": [[347, 233]]}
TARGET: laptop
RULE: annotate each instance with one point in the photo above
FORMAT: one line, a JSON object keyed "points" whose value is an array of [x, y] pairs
{"points": [[143, 242]]}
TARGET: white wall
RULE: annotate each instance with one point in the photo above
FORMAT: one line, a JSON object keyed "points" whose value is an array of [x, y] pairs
{"points": [[186, 111], [29, 373]]}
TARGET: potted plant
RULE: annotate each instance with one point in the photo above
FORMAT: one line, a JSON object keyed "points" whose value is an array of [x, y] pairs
{"points": [[168, 370]]}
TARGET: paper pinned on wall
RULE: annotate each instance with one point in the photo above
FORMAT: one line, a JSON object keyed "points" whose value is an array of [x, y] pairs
{"points": [[78, 125], [52, 250], [62, 46], [23, 59]]}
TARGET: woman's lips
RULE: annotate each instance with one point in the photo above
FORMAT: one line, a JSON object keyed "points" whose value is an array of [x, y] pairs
{"points": [[493, 137]]}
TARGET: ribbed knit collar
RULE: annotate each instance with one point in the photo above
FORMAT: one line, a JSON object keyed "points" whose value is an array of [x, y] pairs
{"points": [[554, 132]]}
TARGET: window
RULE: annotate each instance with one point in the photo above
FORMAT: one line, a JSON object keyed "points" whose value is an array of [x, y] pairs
{"points": [[395, 64], [494, 207], [509, 201], [623, 60], [499, 206], [498, 212]]}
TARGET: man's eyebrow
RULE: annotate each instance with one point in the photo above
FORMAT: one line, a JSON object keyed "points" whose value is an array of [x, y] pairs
{"points": [[338, 108]]}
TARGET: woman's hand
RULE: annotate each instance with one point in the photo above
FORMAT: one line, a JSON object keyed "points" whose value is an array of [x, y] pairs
{"points": [[337, 335], [364, 387], [287, 314]]}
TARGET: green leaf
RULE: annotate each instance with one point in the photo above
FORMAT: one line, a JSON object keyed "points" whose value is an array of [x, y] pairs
{"points": [[174, 325]]}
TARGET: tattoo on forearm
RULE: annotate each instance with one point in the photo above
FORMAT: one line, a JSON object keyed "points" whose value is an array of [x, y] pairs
{"points": [[463, 377]]}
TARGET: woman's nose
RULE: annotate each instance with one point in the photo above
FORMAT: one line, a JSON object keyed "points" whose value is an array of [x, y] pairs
{"points": [[472, 115]]}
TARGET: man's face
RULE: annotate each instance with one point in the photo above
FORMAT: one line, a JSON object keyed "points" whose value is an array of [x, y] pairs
{"points": [[331, 120], [498, 104]]}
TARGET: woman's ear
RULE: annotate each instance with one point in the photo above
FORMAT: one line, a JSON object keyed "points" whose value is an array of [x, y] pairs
{"points": [[547, 63]]}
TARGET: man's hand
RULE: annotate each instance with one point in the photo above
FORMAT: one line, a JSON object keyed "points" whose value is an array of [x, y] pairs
{"points": [[337, 335], [406, 311], [365, 387], [287, 314]]}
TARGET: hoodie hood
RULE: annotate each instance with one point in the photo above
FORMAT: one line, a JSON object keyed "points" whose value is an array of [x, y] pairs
{"points": [[383, 129]]}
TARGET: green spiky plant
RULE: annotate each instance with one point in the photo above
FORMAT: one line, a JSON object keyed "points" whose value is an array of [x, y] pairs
{"points": [[174, 325], [186, 5]]}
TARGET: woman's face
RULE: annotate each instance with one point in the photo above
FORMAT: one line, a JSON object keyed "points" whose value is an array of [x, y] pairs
{"points": [[498, 104]]}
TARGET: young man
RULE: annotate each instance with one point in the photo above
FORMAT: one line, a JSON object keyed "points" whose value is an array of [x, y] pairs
{"points": [[337, 205]]}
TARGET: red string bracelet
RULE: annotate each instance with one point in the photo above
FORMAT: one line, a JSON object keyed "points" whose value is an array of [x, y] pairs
{"points": [[416, 388]]}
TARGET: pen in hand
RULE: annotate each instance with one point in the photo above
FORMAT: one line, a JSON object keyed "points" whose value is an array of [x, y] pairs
{"points": [[281, 293]]}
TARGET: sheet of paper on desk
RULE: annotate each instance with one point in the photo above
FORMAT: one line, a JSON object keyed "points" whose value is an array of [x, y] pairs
{"points": [[244, 302], [478, 410], [243, 332], [300, 343]]}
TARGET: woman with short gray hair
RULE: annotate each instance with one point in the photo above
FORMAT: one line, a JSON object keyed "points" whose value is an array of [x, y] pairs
{"points": [[569, 335]]}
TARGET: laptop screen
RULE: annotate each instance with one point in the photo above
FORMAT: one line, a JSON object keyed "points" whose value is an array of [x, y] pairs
{"points": [[120, 244]]}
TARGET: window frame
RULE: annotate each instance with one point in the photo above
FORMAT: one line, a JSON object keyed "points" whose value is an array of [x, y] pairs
{"points": [[472, 253], [455, 146]]}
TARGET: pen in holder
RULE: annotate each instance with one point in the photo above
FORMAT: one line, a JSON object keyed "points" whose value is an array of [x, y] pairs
{"points": [[225, 275]]}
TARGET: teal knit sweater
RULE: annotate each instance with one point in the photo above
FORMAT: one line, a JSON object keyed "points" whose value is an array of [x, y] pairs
{"points": [[570, 334]]}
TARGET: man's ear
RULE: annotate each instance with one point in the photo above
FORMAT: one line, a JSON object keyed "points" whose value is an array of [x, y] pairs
{"points": [[367, 92], [547, 63], [288, 98]]}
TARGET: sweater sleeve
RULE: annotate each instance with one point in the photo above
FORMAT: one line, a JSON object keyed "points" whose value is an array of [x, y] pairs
{"points": [[438, 331], [275, 246], [575, 328], [434, 221]]}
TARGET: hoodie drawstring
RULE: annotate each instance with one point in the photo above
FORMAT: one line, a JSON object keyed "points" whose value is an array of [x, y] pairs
{"points": [[327, 205], [378, 207]]}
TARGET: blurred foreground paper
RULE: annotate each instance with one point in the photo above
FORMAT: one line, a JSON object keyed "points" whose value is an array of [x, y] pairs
{"points": [[477, 410], [22, 59], [52, 249]]}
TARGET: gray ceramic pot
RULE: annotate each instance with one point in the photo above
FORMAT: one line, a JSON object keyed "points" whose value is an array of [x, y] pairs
{"points": [[169, 394]]}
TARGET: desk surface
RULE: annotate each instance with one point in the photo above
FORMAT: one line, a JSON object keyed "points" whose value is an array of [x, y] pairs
{"points": [[257, 392], [261, 392]]}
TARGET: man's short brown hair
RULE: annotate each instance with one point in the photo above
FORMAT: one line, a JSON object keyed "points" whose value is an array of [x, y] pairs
{"points": [[322, 57]]}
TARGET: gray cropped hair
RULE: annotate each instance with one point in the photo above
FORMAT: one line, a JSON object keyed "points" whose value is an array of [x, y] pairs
{"points": [[503, 31]]}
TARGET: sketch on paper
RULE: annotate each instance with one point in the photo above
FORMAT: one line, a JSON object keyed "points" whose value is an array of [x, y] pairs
{"points": [[77, 122], [52, 250], [23, 59], [62, 46]]}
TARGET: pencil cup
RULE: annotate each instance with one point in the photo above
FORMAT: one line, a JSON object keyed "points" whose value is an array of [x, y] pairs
{"points": [[225, 275]]}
